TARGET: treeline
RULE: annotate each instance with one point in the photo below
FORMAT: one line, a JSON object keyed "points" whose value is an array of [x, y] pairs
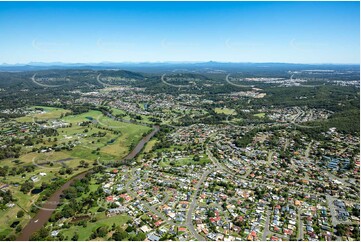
{"points": [[10, 152], [161, 136], [333, 98], [48, 132], [247, 138], [16, 170], [347, 121], [6, 198]]}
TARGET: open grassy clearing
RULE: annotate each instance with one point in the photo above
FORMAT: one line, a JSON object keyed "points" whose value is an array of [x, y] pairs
{"points": [[131, 134], [145, 118], [87, 146], [186, 161], [59, 159], [235, 121], [49, 113], [25, 201], [116, 111], [111, 146], [88, 116], [148, 147], [226, 111], [84, 233], [7, 217], [260, 115]]}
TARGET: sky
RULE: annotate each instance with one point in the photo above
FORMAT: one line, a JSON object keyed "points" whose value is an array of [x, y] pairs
{"points": [[90, 32]]}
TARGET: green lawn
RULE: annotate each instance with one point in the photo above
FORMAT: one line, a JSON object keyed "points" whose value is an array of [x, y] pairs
{"points": [[260, 115], [50, 113], [148, 147], [186, 161], [226, 111], [84, 233], [113, 146], [82, 117], [145, 118], [25, 201], [130, 133]]}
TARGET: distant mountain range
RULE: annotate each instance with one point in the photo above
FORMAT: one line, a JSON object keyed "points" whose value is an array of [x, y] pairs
{"points": [[170, 66]]}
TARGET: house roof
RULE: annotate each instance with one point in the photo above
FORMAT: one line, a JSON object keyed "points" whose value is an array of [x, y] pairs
{"points": [[182, 229]]}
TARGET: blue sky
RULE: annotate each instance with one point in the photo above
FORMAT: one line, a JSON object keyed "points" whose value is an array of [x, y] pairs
{"points": [[297, 32]]}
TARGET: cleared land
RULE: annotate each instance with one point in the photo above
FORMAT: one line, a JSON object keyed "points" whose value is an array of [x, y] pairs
{"points": [[84, 233], [260, 115], [48, 113], [226, 111], [87, 146]]}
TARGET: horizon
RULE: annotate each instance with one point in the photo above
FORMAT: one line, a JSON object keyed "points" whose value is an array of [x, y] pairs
{"points": [[167, 62], [227, 32]]}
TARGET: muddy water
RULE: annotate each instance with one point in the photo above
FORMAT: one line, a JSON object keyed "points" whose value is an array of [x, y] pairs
{"points": [[47, 210], [49, 206]]}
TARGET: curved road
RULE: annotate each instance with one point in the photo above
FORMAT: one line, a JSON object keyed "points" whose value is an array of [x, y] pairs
{"points": [[193, 204], [43, 85], [147, 205]]}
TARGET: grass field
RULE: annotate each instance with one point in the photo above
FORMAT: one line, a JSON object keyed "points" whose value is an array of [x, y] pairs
{"points": [[82, 117], [260, 115], [145, 118], [130, 133], [49, 113], [186, 161], [112, 146], [24, 201], [84, 233], [148, 147], [88, 147], [226, 111]]}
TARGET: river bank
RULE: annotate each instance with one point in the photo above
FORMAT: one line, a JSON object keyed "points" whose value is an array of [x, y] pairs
{"points": [[45, 212]]}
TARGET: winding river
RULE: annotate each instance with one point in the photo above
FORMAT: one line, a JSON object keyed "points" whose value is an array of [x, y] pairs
{"points": [[45, 212]]}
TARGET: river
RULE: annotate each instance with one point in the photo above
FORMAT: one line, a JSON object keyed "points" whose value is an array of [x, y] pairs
{"points": [[45, 212]]}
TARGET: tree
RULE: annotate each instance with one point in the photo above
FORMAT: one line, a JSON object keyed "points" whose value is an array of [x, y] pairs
{"points": [[75, 237], [211, 214], [120, 235], [355, 212], [27, 186], [129, 229], [20, 214], [4, 171], [11, 237], [69, 170], [18, 228], [40, 235], [356, 232], [102, 231], [140, 237], [341, 229]]}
